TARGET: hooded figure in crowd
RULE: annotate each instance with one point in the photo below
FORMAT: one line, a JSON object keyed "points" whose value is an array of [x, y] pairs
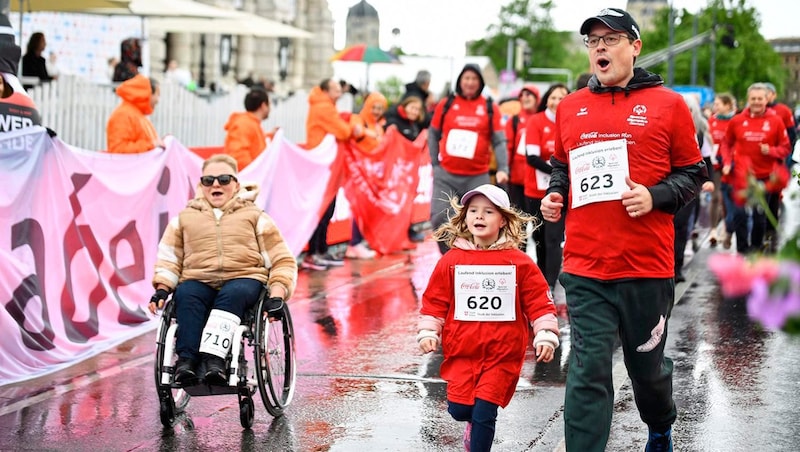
{"points": [[128, 130]]}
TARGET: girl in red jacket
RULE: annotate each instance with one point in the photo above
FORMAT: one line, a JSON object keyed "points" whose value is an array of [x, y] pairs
{"points": [[482, 296]]}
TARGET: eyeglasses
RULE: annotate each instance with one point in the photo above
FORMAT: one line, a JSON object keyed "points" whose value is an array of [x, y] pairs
{"points": [[610, 40], [224, 179]]}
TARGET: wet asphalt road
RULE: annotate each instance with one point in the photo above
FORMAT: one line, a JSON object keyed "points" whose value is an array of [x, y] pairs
{"points": [[363, 386]]}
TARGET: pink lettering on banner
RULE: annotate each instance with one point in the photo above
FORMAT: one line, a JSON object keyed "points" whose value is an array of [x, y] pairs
{"points": [[470, 286], [83, 227]]}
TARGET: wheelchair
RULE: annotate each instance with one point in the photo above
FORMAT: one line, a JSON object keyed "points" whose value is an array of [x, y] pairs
{"points": [[262, 358]]}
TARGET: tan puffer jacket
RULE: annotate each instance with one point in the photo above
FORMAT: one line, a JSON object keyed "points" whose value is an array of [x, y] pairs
{"points": [[243, 243]]}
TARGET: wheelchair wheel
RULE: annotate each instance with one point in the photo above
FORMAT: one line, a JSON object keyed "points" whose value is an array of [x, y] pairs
{"points": [[275, 360], [172, 400], [246, 411]]}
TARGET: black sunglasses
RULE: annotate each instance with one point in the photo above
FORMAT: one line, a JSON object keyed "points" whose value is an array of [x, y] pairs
{"points": [[224, 179]]}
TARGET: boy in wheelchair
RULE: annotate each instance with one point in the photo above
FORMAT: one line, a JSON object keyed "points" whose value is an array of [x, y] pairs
{"points": [[216, 255]]}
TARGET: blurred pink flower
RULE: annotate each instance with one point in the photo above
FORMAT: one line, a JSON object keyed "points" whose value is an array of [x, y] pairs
{"points": [[736, 274]]}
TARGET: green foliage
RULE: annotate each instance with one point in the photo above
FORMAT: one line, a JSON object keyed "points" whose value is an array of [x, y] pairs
{"points": [[530, 22], [736, 68], [393, 88]]}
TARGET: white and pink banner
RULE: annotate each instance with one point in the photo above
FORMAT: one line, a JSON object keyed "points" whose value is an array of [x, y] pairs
{"points": [[79, 231]]}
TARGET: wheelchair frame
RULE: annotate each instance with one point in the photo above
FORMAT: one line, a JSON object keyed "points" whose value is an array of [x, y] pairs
{"points": [[271, 367]]}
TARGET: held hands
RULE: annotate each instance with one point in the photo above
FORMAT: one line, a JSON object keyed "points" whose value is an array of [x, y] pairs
{"points": [[637, 201], [551, 207], [157, 300]]}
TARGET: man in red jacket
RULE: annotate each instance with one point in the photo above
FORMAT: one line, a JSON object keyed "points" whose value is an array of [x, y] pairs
{"points": [[623, 165], [756, 143]]}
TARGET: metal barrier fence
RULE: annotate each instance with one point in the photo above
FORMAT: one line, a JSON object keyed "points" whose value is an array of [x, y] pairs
{"points": [[78, 109]]}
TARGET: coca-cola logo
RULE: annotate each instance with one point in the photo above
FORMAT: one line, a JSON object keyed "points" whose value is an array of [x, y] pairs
{"points": [[582, 168], [589, 136], [470, 285]]}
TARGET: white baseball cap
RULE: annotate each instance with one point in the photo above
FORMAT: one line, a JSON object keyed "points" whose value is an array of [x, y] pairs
{"points": [[496, 195]]}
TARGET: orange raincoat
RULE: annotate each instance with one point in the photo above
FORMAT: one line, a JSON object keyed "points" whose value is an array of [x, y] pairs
{"points": [[128, 130]]}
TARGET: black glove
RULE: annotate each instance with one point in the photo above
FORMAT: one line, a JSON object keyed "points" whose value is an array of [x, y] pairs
{"points": [[274, 307], [159, 296]]}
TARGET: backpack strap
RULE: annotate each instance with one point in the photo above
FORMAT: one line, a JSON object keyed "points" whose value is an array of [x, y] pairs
{"points": [[447, 104]]}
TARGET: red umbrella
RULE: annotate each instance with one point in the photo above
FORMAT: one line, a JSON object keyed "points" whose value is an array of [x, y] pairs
{"points": [[363, 53]]}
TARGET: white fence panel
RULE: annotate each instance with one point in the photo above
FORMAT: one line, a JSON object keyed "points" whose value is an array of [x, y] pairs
{"points": [[78, 110]]}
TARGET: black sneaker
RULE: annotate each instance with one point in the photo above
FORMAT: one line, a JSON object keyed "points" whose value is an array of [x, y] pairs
{"points": [[659, 442], [184, 371], [216, 372]]}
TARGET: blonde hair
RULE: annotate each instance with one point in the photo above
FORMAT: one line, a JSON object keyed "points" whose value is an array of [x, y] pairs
{"points": [[223, 158], [456, 227]]}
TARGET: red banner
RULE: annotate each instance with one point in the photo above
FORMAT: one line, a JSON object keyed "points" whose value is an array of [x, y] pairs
{"points": [[381, 188]]}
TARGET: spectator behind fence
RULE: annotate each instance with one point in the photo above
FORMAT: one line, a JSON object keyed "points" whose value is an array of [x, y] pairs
{"points": [[245, 139], [33, 63], [131, 60], [128, 130]]}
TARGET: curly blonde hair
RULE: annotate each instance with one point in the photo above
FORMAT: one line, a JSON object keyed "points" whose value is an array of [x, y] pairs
{"points": [[456, 227]]}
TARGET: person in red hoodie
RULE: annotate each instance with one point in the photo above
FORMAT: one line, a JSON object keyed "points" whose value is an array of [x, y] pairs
{"points": [[464, 133], [626, 160], [756, 143], [539, 146], [721, 202], [245, 139], [515, 140], [128, 130], [482, 299]]}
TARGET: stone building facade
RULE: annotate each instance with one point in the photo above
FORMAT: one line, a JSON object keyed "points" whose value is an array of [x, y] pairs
{"points": [[789, 50], [256, 57]]}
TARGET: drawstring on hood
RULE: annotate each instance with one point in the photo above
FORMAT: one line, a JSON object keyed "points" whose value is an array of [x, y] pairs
{"points": [[641, 79]]}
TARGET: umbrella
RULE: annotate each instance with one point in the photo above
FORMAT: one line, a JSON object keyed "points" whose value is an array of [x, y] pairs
{"points": [[363, 53]]}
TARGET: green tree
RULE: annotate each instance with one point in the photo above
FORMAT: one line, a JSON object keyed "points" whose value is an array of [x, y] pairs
{"points": [[392, 88], [752, 60], [530, 22]]}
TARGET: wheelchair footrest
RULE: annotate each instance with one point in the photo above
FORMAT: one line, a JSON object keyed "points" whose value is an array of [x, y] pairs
{"points": [[201, 389]]}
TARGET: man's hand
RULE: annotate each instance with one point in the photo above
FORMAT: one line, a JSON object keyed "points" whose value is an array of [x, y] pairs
{"points": [[551, 207], [157, 300], [501, 177], [637, 201]]}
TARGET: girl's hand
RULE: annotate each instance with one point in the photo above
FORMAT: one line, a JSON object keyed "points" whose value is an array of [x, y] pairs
{"points": [[544, 353], [428, 345]]}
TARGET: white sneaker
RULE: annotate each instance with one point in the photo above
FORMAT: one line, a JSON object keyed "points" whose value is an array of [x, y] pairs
{"points": [[359, 251]]}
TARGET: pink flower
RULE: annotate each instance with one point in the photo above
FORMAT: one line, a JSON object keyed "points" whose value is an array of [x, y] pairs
{"points": [[773, 302], [736, 274]]}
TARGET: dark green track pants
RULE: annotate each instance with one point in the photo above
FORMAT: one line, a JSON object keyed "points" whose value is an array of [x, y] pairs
{"points": [[636, 311]]}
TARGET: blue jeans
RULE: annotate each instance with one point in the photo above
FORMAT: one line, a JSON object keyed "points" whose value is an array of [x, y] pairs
{"points": [[483, 416], [195, 300]]}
